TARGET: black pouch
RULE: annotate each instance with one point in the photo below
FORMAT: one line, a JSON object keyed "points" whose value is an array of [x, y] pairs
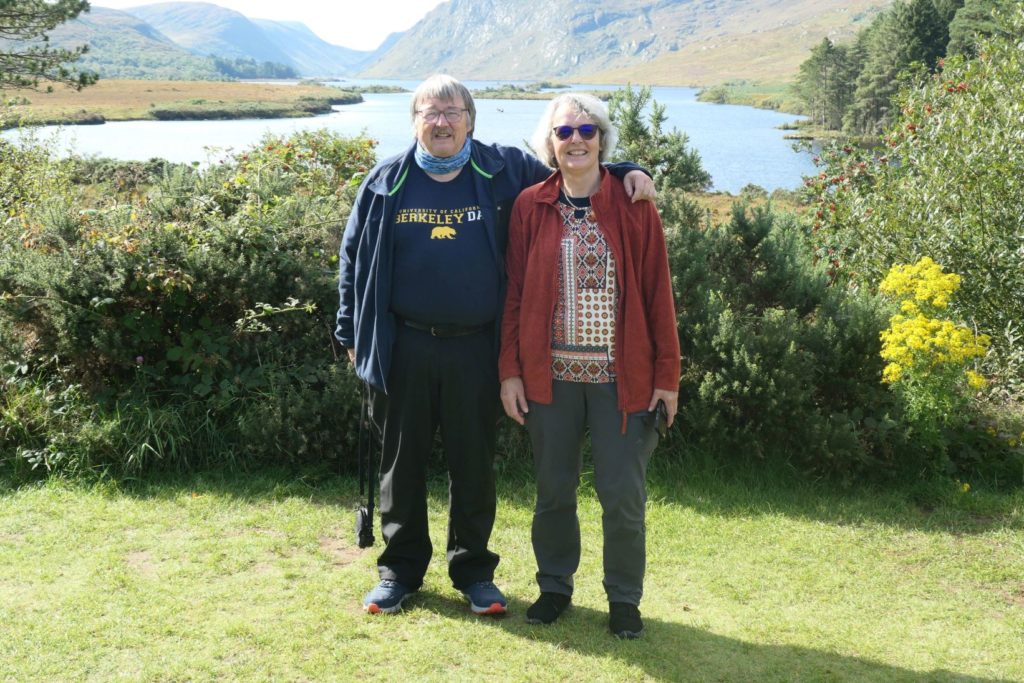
{"points": [[364, 527], [658, 418]]}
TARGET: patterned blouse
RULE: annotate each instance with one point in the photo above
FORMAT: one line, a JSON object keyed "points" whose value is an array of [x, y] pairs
{"points": [[583, 327]]}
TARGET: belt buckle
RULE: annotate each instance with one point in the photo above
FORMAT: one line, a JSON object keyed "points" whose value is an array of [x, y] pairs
{"points": [[434, 331]]}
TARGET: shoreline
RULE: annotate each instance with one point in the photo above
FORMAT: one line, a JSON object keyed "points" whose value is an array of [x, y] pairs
{"points": [[119, 100], [136, 100]]}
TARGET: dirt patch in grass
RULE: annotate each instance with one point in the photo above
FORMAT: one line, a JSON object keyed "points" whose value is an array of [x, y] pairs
{"points": [[1015, 596], [257, 531], [263, 568], [340, 552], [12, 539], [142, 562]]}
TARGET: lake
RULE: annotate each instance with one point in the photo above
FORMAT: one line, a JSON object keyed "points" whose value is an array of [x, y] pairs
{"points": [[738, 145]]}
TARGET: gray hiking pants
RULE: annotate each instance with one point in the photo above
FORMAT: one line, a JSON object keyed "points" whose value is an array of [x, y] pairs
{"points": [[620, 470]]}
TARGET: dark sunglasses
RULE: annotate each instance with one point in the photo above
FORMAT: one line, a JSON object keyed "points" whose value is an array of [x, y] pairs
{"points": [[587, 131]]}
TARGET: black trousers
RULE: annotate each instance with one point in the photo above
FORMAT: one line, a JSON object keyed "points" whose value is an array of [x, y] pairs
{"points": [[452, 384]]}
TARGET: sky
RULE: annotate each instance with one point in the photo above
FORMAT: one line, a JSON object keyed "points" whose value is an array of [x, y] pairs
{"points": [[356, 24]]}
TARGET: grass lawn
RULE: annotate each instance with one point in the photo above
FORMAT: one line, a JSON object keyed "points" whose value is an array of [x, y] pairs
{"points": [[256, 577]]}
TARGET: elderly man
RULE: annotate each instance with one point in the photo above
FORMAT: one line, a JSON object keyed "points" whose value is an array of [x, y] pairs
{"points": [[422, 284]]}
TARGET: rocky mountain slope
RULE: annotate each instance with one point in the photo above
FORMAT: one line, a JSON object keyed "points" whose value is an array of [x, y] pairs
{"points": [[670, 42], [666, 41]]}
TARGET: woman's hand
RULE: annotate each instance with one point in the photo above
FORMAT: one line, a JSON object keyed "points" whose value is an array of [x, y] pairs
{"points": [[639, 186], [513, 398], [671, 399]]}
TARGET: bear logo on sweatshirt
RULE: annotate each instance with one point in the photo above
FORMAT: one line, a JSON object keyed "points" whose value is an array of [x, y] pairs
{"points": [[442, 233]]}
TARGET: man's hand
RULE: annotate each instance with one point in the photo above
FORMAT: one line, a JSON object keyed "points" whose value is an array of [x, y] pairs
{"points": [[351, 356], [639, 186], [671, 399], [513, 398]]}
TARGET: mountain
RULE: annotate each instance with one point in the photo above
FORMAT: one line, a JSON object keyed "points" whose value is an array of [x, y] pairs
{"points": [[665, 41], [671, 42], [208, 29], [123, 46], [308, 53]]}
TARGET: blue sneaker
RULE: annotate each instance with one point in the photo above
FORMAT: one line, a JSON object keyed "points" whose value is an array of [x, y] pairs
{"points": [[386, 597], [485, 598]]}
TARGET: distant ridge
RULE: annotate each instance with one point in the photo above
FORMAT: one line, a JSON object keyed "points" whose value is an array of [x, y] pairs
{"points": [[206, 28], [308, 53], [124, 46], [683, 42], [670, 42]]}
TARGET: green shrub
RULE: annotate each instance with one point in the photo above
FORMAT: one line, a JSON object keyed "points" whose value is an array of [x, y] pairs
{"points": [[28, 176], [778, 364], [196, 319], [673, 163], [118, 175], [949, 184]]}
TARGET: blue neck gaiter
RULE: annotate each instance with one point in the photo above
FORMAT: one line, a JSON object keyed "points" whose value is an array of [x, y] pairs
{"points": [[442, 165]]}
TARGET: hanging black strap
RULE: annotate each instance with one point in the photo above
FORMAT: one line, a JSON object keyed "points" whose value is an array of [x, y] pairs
{"points": [[367, 470], [371, 452]]}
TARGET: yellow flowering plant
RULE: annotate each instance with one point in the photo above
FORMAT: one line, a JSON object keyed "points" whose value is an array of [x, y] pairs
{"points": [[929, 359]]}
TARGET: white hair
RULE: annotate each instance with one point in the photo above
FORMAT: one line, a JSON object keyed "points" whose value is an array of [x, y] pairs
{"points": [[581, 103]]}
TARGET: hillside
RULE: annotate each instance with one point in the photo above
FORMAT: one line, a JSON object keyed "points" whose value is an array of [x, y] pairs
{"points": [[684, 42], [771, 52], [668, 42], [208, 29], [307, 53], [123, 46]]}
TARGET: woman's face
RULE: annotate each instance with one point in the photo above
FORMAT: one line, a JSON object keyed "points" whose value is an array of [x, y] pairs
{"points": [[575, 155]]}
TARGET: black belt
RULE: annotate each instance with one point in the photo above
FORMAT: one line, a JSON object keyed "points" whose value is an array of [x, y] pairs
{"points": [[444, 330]]}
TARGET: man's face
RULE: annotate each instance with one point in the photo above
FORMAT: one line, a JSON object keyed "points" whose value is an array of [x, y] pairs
{"points": [[442, 137]]}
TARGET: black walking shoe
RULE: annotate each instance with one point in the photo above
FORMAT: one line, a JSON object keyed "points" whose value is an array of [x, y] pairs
{"points": [[547, 608], [624, 620]]}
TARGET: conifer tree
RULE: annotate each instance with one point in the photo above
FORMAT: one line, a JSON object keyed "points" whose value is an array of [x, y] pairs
{"points": [[826, 83], [668, 155], [974, 21], [26, 59], [910, 32], [948, 8]]}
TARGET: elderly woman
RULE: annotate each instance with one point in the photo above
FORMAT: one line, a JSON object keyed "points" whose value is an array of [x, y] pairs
{"points": [[588, 341]]}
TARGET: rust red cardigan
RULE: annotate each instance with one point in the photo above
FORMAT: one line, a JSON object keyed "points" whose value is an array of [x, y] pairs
{"points": [[646, 340]]}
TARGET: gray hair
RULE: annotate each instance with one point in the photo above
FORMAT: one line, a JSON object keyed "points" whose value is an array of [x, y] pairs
{"points": [[443, 87], [581, 103]]}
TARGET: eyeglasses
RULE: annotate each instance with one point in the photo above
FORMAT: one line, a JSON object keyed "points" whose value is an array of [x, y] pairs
{"points": [[587, 131], [450, 115]]}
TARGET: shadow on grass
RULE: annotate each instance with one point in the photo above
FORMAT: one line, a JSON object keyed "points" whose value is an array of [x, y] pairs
{"points": [[731, 493], [919, 505], [677, 652]]}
